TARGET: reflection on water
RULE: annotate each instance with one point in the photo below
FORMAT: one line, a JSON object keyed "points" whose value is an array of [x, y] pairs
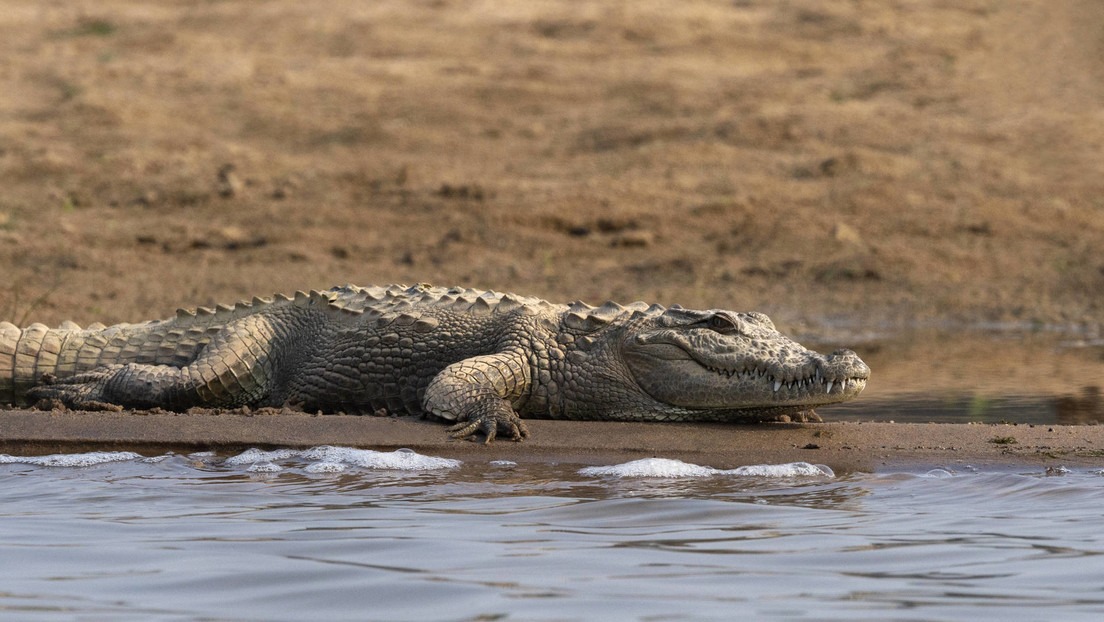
{"points": [[203, 537], [952, 376], [1083, 409]]}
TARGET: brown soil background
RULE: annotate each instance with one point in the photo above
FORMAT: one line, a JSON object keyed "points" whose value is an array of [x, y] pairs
{"points": [[854, 169], [827, 162]]}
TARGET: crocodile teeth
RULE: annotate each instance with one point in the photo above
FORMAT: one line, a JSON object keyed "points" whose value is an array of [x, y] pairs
{"points": [[829, 390], [724, 372], [777, 385]]}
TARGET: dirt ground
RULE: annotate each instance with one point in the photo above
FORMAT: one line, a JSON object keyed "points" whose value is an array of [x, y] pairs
{"points": [[832, 163], [845, 447]]}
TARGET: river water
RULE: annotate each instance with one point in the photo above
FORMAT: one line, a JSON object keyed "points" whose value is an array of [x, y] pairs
{"points": [[342, 534]]}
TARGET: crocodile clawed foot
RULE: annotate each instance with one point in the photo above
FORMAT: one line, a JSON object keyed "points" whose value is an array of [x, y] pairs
{"points": [[805, 416], [490, 423], [81, 392], [809, 416]]}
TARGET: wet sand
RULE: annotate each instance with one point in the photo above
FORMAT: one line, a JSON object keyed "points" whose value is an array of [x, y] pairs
{"points": [[845, 447]]}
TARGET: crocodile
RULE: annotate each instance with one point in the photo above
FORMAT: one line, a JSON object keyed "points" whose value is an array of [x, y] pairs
{"points": [[482, 360]]}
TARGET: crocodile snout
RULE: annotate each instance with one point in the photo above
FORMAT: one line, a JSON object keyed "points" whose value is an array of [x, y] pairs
{"points": [[849, 364]]}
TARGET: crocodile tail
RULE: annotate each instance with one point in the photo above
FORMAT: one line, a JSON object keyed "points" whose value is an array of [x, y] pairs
{"points": [[9, 339], [28, 354]]}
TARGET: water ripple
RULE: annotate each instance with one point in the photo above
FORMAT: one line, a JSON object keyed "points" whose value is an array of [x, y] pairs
{"points": [[198, 536]]}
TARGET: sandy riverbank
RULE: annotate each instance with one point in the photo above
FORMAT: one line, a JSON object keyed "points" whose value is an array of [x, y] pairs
{"points": [[845, 447]]}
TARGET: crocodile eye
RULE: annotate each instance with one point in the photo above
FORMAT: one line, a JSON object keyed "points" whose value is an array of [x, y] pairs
{"points": [[722, 325]]}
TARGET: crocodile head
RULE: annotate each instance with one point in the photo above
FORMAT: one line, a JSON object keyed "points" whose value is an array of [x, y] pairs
{"points": [[722, 364]]}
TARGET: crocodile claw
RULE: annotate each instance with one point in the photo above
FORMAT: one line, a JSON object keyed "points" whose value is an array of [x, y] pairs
{"points": [[489, 423], [805, 416], [81, 392]]}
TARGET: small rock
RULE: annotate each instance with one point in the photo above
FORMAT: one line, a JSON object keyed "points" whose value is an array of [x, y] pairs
{"points": [[229, 184], [149, 198], [285, 187], [981, 228], [616, 225], [229, 238], [830, 167], [847, 234], [836, 166], [633, 239], [473, 192], [231, 234]]}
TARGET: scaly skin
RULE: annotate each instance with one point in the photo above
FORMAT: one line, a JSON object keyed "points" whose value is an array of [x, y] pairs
{"points": [[481, 359]]}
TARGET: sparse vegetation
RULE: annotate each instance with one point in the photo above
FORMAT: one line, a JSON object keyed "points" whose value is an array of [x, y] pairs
{"points": [[93, 27]]}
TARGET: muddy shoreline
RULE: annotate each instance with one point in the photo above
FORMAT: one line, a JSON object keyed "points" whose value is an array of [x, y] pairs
{"points": [[845, 447]]}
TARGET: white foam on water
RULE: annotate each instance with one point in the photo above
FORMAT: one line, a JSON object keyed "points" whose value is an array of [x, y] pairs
{"points": [[325, 467], [330, 459], [254, 456], [668, 468], [264, 467], [650, 467], [791, 469], [88, 459]]}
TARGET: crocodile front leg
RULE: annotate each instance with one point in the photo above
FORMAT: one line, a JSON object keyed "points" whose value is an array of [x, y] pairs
{"points": [[480, 394], [235, 368]]}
